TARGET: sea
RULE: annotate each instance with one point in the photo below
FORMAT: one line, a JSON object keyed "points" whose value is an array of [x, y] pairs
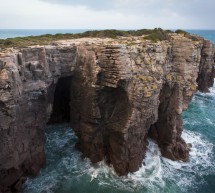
{"points": [[67, 172]]}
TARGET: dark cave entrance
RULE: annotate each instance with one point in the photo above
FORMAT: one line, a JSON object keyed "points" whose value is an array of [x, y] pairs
{"points": [[161, 130], [168, 128], [61, 103], [115, 111]]}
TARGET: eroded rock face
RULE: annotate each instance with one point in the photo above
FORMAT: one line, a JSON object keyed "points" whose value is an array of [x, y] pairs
{"points": [[119, 94], [206, 72]]}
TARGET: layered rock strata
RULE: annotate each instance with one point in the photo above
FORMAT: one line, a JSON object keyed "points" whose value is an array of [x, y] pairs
{"points": [[115, 93]]}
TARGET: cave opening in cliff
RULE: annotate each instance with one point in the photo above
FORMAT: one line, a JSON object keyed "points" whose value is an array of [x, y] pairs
{"points": [[168, 128], [115, 112], [61, 103], [159, 129]]}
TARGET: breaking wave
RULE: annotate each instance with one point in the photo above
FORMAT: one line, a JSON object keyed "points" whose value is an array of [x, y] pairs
{"points": [[67, 172]]}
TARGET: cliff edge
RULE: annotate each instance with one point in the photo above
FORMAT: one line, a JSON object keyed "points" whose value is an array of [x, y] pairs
{"points": [[114, 92]]}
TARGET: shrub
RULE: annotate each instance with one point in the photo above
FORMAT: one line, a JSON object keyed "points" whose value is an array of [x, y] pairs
{"points": [[180, 31], [157, 35]]}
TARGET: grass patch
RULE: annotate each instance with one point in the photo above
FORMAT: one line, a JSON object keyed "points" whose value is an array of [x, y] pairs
{"points": [[154, 35], [158, 34]]}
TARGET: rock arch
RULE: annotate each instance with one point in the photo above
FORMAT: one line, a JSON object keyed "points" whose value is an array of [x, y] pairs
{"points": [[118, 93]]}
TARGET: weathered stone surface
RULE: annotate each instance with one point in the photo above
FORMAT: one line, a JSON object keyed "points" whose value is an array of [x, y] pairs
{"points": [[205, 77], [119, 94]]}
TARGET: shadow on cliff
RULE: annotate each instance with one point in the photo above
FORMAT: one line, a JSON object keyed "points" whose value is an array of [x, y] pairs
{"points": [[61, 101], [168, 128]]}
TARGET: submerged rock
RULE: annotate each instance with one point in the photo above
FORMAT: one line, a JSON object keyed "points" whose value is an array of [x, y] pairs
{"points": [[114, 92]]}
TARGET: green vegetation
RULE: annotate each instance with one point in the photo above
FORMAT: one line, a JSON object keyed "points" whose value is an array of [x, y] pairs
{"points": [[187, 35], [156, 34], [180, 31], [34, 40]]}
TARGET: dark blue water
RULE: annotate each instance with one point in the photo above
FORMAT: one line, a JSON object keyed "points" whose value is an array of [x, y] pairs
{"points": [[67, 172]]}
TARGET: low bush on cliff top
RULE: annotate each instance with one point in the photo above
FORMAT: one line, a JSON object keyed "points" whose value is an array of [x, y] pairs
{"points": [[180, 31], [156, 34], [186, 34]]}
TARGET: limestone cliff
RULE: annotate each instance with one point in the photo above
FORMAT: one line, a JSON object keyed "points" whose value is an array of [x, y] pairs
{"points": [[114, 92]]}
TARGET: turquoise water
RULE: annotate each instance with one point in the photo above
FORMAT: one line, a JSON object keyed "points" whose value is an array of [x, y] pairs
{"points": [[208, 34], [67, 172]]}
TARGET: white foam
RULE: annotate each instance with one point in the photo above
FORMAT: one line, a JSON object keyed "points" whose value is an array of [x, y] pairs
{"points": [[157, 169], [201, 151], [200, 161], [148, 176], [153, 176], [211, 92]]}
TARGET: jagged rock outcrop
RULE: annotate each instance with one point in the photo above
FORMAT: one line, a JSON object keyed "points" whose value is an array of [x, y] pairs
{"points": [[206, 72], [118, 92]]}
